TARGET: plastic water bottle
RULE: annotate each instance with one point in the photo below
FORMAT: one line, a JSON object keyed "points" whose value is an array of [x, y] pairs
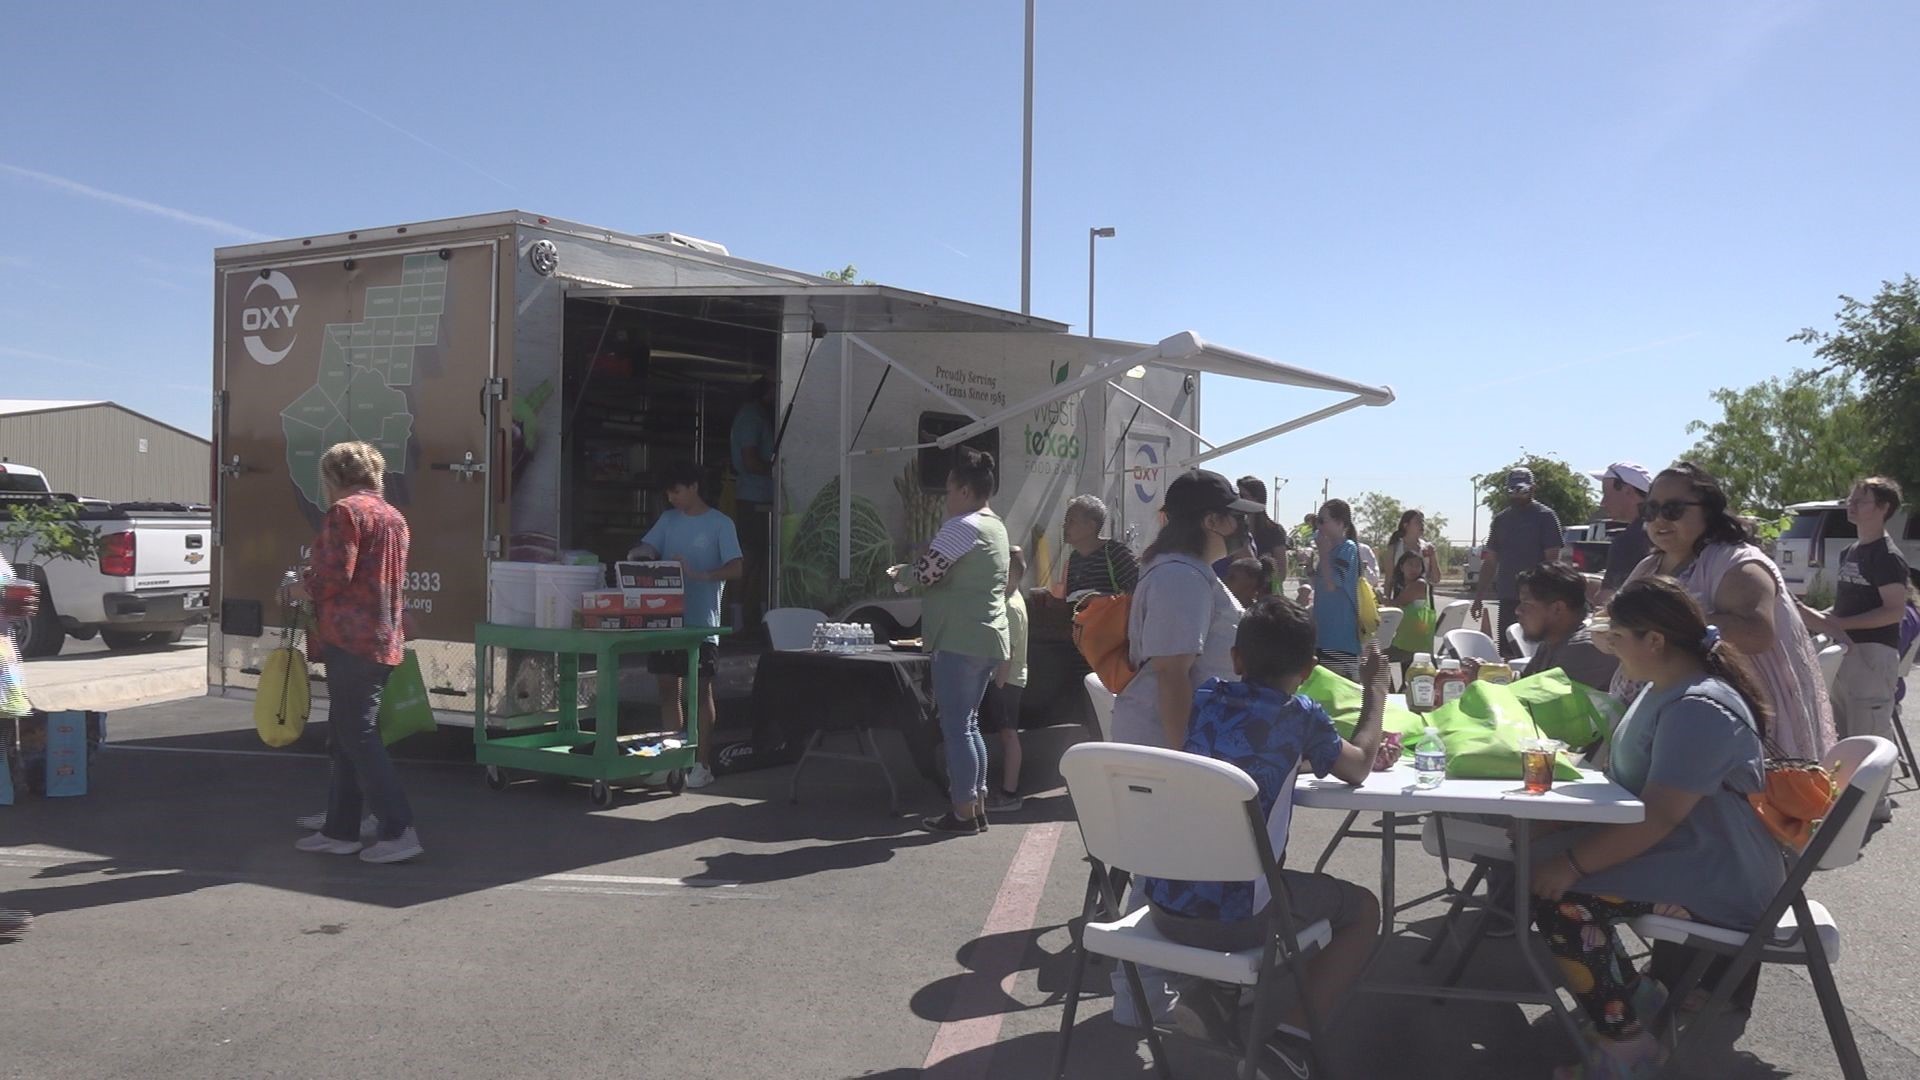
{"points": [[1429, 761]]}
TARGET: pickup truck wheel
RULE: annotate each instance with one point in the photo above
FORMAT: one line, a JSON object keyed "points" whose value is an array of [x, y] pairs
{"points": [[168, 637], [41, 635], [84, 634], [119, 640]]}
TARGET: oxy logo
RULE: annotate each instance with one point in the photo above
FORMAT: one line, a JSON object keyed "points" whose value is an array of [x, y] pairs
{"points": [[261, 314], [1146, 473]]}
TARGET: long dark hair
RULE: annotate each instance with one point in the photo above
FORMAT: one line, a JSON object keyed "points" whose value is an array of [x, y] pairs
{"points": [[1182, 535], [1400, 530], [1722, 526], [1341, 512], [1659, 603], [1419, 571]]}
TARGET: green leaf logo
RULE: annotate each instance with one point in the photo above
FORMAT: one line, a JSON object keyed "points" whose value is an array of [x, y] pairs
{"points": [[1060, 376]]}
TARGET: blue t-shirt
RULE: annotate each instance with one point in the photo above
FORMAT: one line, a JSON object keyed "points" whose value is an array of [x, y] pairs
{"points": [[708, 542], [1336, 610], [1268, 735], [752, 427]]}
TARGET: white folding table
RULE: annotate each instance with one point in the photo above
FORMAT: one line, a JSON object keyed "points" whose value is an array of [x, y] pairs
{"points": [[1592, 799]]}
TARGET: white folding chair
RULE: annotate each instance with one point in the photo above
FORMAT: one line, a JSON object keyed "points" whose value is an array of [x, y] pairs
{"points": [[1909, 765], [1453, 617], [790, 629], [1165, 814], [1792, 929], [1390, 619], [1102, 699], [1830, 659], [1520, 643], [1469, 643]]}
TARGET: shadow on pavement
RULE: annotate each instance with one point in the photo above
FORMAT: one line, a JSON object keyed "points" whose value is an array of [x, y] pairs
{"points": [[164, 824]]}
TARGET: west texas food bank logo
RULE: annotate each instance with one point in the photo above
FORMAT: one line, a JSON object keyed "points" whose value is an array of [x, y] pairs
{"points": [[267, 312]]}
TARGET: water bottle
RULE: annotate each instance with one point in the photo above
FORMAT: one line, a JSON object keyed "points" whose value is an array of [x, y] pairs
{"points": [[1429, 761]]}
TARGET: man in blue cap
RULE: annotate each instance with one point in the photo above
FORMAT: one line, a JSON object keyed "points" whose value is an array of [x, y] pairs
{"points": [[1522, 536]]}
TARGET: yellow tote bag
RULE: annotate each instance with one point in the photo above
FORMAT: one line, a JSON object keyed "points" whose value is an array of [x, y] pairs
{"points": [[1369, 610], [281, 705]]}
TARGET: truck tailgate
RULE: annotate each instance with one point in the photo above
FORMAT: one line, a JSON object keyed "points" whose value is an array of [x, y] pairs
{"points": [[169, 552]]}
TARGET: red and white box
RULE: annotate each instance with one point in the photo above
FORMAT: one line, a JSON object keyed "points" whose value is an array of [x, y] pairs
{"points": [[650, 577], [618, 602]]}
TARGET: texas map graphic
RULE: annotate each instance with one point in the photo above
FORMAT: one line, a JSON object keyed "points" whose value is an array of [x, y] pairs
{"points": [[365, 367]]}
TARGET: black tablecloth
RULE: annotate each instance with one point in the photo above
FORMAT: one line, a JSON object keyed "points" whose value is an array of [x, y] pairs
{"points": [[798, 693]]}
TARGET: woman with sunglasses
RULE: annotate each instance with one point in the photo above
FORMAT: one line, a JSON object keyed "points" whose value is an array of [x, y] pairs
{"points": [[1699, 543]]}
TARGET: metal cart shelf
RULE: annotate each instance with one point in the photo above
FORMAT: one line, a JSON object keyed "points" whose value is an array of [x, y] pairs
{"points": [[554, 751]]}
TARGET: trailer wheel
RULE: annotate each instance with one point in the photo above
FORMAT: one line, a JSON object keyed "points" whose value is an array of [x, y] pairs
{"points": [[601, 794], [496, 778]]}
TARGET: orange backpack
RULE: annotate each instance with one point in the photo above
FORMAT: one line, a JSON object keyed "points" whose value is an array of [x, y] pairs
{"points": [[1100, 633]]}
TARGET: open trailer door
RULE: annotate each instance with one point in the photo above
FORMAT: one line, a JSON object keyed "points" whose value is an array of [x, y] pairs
{"points": [[395, 349]]}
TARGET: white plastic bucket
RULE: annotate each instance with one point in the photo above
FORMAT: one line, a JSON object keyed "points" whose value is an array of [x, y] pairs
{"points": [[557, 589], [510, 593]]}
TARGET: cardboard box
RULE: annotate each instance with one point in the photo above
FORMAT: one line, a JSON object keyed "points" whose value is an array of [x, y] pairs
{"points": [[654, 622], [600, 620], [650, 577], [612, 600], [616, 602]]}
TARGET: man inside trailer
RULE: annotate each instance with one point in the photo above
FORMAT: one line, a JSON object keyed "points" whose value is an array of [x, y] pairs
{"points": [[703, 541]]}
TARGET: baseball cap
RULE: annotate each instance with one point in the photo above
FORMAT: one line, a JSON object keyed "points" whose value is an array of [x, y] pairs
{"points": [[1202, 491], [1519, 481], [1629, 473]]}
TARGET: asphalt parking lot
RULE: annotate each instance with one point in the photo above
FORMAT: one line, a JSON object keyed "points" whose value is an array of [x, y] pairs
{"points": [[720, 933]]}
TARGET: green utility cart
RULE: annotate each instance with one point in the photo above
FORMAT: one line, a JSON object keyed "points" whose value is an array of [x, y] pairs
{"points": [[556, 748]]}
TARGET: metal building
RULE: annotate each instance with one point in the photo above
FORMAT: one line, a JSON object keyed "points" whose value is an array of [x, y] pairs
{"points": [[105, 451]]}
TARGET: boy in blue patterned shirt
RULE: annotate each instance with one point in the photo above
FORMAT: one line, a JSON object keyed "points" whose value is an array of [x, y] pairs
{"points": [[1262, 725]]}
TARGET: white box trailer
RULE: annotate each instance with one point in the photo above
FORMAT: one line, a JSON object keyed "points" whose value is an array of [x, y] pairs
{"points": [[527, 378]]}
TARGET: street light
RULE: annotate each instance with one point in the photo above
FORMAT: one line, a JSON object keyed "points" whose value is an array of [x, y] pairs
{"points": [[1092, 235]]}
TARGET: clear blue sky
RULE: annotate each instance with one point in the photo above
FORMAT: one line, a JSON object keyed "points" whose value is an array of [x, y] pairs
{"points": [[1547, 226]]}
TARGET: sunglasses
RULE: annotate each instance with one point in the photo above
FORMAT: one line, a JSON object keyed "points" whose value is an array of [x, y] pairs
{"points": [[1672, 511]]}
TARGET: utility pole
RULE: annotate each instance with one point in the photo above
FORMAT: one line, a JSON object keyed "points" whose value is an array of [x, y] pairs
{"points": [[1026, 181]]}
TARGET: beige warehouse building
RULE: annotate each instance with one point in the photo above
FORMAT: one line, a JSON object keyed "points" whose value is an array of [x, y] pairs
{"points": [[105, 451]]}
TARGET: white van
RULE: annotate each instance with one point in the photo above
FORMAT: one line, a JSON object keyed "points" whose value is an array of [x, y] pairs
{"points": [[1809, 550]]}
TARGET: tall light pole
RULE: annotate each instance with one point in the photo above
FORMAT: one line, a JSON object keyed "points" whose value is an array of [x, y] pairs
{"points": [[1092, 235], [1026, 181]]}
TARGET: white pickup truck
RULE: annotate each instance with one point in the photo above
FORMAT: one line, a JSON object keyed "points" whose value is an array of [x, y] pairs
{"points": [[148, 585]]}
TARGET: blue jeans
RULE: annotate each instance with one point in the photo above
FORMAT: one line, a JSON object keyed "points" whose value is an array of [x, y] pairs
{"points": [[360, 761], [959, 682]]}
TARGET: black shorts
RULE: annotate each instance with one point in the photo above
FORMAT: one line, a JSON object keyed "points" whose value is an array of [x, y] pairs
{"points": [[675, 663], [1000, 709]]}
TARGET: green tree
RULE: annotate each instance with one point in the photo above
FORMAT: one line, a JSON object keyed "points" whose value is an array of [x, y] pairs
{"points": [[846, 275], [50, 528], [1376, 515], [1878, 342], [1558, 485], [1785, 441]]}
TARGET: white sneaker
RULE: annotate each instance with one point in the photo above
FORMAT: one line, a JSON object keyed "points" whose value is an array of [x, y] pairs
{"points": [[399, 849], [699, 776], [369, 825], [322, 844]]}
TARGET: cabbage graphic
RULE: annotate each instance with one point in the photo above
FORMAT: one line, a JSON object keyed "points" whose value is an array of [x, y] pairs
{"points": [[810, 570]]}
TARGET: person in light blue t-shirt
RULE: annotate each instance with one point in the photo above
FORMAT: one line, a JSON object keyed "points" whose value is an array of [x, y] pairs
{"points": [[703, 541]]}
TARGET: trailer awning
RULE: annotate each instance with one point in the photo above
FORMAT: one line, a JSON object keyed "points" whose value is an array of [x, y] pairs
{"points": [[842, 309], [1189, 352]]}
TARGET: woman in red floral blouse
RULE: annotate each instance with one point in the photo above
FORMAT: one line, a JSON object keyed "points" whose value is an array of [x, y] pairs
{"points": [[354, 581]]}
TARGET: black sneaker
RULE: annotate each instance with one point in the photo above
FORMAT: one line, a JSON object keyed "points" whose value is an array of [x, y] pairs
{"points": [[948, 825], [1286, 1058]]}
